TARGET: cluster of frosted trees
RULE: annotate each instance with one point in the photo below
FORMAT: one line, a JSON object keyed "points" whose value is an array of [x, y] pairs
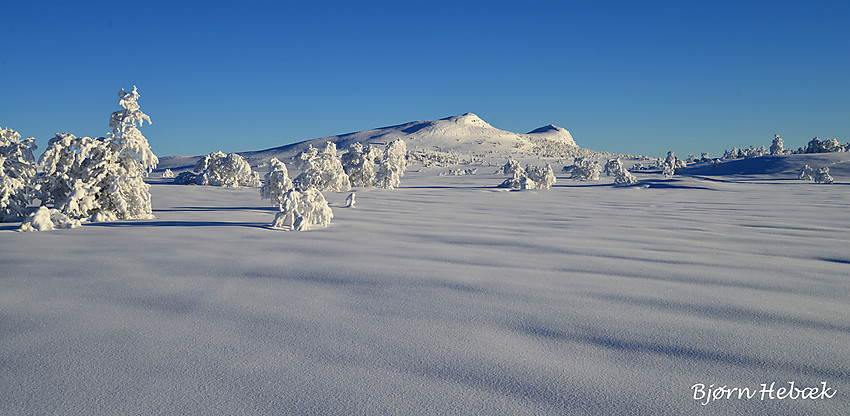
{"points": [[83, 178], [820, 176], [300, 201], [530, 177], [218, 169]]}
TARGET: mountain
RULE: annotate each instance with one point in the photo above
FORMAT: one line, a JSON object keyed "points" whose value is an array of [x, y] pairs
{"points": [[465, 134]]}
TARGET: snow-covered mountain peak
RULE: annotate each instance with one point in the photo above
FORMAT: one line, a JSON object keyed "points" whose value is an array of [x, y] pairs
{"points": [[468, 118], [553, 133]]}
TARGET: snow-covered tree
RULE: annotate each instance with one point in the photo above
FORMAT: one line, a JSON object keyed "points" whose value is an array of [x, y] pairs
{"points": [[511, 167], [778, 146], [613, 166], [392, 166], [823, 176], [623, 177], [671, 164], [532, 177], [218, 169], [586, 169], [277, 183], [17, 174], [101, 178], [806, 174], [303, 210], [323, 171], [359, 165], [168, 174]]}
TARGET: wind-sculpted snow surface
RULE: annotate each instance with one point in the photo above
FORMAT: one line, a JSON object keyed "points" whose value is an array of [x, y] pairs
{"points": [[445, 296]]}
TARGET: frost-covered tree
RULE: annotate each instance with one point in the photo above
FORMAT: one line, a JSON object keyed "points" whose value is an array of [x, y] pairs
{"points": [[277, 183], [778, 146], [392, 166], [303, 210], [101, 178], [586, 169], [300, 160], [823, 176], [806, 174], [168, 174], [671, 164], [613, 166], [218, 169], [511, 167], [323, 171], [359, 165], [623, 177], [17, 174], [532, 177], [823, 146]]}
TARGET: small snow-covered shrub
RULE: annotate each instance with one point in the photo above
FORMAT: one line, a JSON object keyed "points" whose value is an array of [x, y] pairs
{"points": [[168, 174], [323, 171], [46, 219], [806, 174], [277, 183], [303, 210], [17, 174], [823, 176], [218, 169], [459, 172], [585, 169], [359, 164], [532, 177], [392, 166]]}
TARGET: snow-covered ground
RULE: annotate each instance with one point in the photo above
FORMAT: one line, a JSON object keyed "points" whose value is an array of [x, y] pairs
{"points": [[445, 296]]}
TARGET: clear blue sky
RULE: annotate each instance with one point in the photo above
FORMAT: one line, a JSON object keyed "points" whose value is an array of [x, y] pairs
{"points": [[622, 76]]}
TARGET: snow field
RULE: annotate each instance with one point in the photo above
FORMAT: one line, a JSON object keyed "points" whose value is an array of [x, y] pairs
{"points": [[444, 296]]}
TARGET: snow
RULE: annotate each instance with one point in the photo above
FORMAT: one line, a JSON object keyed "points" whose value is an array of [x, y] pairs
{"points": [[446, 295]]}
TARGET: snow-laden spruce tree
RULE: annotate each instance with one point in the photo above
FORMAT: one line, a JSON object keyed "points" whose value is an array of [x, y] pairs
{"points": [[778, 146], [323, 171], [622, 177], [806, 174], [102, 178], [586, 169], [168, 174], [511, 167], [392, 166], [671, 164], [218, 169], [17, 174], [822, 176], [532, 177], [359, 165], [277, 183], [303, 210], [613, 166]]}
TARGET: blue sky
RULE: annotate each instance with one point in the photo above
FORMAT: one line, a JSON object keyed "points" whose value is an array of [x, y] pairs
{"points": [[626, 77]]}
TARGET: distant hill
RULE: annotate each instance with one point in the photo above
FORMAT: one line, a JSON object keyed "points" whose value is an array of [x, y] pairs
{"points": [[465, 134], [774, 167]]}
